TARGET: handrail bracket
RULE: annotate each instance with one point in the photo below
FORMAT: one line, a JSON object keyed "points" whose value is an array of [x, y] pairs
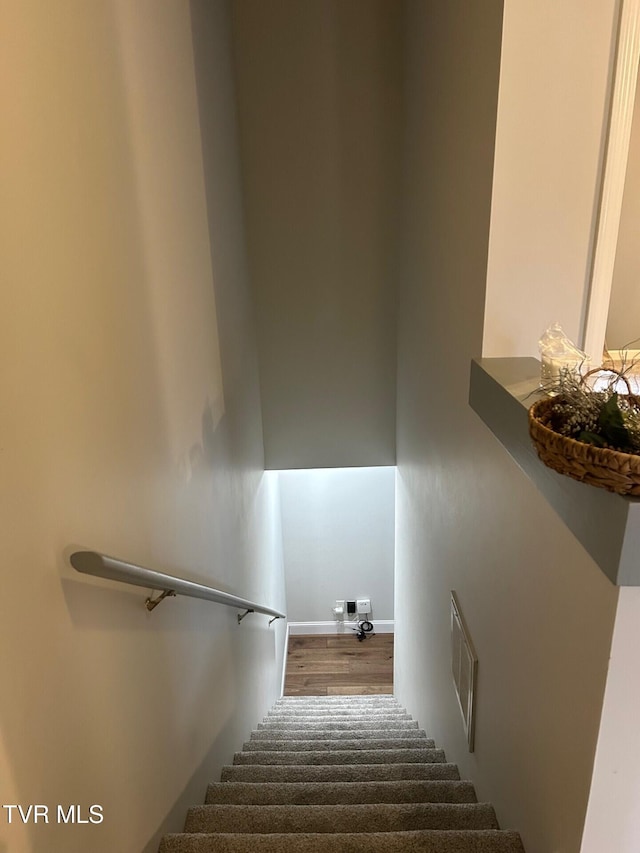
{"points": [[242, 615], [151, 603]]}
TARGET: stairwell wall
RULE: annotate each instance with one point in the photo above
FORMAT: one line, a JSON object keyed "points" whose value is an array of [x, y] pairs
{"points": [[338, 540], [319, 107], [539, 611], [130, 420]]}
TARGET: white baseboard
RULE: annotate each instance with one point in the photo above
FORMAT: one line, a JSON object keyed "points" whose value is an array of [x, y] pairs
{"points": [[380, 626], [284, 660]]}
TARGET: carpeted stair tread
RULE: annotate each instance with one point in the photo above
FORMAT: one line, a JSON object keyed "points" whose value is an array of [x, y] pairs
{"points": [[344, 708], [317, 715], [361, 817], [342, 756], [343, 774], [425, 841], [337, 701], [357, 708], [337, 734], [386, 708], [361, 701], [340, 793], [352, 700], [346, 699], [322, 704], [336, 744], [338, 772], [332, 725]]}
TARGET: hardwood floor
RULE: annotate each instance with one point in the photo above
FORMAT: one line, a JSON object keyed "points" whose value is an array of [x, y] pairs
{"points": [[339, 665]]}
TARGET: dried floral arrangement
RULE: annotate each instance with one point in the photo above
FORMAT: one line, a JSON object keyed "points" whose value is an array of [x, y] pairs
{"points": [[604, 418], [588, 431]]}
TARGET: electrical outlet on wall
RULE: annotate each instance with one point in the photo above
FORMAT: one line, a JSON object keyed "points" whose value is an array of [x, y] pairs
{"points": [[363, 606], [339, 609]]}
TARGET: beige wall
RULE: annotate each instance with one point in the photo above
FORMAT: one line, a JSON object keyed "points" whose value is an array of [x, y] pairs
{"points": [[539, 611], [319, 107], [130, 420], [549, 144]]}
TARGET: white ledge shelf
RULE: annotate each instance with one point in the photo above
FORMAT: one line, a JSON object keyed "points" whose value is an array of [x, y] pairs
{"points": [[606, 525]]}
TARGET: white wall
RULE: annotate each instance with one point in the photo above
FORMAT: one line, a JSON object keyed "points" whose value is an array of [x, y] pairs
{"points": [[612, 817], [549, 144], [623, 322], [130, 420], [538, 609], [319, 107], [338, 540]]}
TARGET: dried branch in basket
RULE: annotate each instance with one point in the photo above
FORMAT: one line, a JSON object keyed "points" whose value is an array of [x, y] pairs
{"points": [[603, 417]]}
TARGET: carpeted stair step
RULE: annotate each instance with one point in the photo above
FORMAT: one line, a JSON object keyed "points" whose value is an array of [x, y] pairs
{"points": [[321, 722], [340, 793], [341, 775], [334, 743], [378, 817], [425, 841], [389, 707], [337, 707], [342, 756], [338, 772], [337, 701], [345, 707], [333, 734], [317, 716], [358, 701], [330, 724]]}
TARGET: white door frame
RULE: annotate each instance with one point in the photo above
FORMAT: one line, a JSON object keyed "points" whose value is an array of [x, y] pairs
{"points": [[614, 172]]}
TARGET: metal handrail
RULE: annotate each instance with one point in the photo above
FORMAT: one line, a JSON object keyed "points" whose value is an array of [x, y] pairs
{"points": [[99, 565]]}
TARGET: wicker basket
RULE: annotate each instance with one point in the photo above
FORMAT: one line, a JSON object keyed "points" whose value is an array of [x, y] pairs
{"points": [[598, 466]]}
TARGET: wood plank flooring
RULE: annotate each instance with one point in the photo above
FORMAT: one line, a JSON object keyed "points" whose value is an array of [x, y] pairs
{"points": [[339, 665]]}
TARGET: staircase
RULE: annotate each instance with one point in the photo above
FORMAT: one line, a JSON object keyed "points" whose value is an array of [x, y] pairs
{"points": [[341, 775]]}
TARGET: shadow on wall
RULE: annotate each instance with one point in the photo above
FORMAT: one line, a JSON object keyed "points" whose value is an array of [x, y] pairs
{"points": [[224, 210], [209, 769], [96, 603], [198, 782]]}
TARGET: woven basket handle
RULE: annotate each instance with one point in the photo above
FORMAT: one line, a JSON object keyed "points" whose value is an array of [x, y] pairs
{"points": [[609, 370]]}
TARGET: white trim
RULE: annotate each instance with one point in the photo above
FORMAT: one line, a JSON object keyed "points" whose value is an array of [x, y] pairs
{"points": [[380, 626], [464, 666], [614, 173], [284, 661]]}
